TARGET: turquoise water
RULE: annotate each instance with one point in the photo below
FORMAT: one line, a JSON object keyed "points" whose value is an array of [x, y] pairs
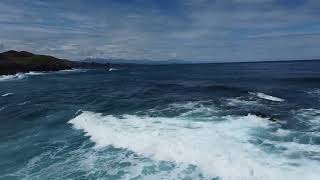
{"points": [[209, 121]]}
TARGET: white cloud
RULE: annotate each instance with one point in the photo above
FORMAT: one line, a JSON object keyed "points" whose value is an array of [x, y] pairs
{"points": [[219, 30]]}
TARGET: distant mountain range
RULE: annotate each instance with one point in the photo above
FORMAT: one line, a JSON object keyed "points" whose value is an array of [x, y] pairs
{"points": [[133, 61], [178, 61], [12, 62]]}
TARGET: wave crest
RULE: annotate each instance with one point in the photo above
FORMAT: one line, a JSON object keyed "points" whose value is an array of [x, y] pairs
{"points": [[218, 148], [267, 97], [36, 73], [12, 77]]}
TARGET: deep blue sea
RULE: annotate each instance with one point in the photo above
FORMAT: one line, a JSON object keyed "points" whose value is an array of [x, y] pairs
{"points": [[237, 121]]}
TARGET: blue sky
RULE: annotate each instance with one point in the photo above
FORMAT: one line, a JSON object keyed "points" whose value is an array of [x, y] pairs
{"points": [[197, 30]]}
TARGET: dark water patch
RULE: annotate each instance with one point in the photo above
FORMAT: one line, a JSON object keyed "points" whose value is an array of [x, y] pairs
{"points": [[224, 88], [303, 79]]}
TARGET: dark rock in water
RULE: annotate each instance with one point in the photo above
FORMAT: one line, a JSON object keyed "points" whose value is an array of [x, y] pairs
{"points": [[12, 62], [262, 115]]}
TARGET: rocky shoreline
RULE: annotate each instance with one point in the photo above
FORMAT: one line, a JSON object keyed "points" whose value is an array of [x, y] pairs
{"points": [[13, 62]]}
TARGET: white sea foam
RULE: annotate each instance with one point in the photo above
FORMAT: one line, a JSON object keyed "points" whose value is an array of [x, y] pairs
{"points": [[267, 97], [187, 105], [6, 94], [36, 73], [241, 102], [113, 69], [71, 70], [197, 108], [282, 132], [97, 164], [201, 111], [294, 147], [315, 92], [19, 76], [217, 148], [309, 116], [12, 77]]}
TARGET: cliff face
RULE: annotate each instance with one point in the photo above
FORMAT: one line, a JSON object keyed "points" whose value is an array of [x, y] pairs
{"points": [[12, 62]]}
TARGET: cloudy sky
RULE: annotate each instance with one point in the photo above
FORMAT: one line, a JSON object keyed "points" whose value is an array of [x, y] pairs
{"points": [[197, 30]]}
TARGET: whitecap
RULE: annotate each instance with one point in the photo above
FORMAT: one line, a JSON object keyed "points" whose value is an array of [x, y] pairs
{"points": [[201, 110], [6, 94], [23, 103], [267, 97], [186, 105], [218, 148], [241, 102], [20, 76], [113, 69], [282, 132], [310, 116], [71, 70], [35, 73], [12, 77], [315, 92]]}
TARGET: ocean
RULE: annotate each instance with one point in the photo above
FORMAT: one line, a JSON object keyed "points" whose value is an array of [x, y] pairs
{"points": [[199, 121]]}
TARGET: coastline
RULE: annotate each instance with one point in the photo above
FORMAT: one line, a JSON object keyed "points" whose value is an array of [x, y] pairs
{"points": [[14, 62]]}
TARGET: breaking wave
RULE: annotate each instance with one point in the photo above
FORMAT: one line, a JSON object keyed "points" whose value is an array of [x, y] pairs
{"points": [[113, 69], [267, 97], [36, 73], [310, 117], [219, 148], [6, 94], [241, 102], [71, 70], [12, 77]]}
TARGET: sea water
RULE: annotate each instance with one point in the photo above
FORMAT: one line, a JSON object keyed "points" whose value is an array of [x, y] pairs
{"points": [[199, 121]]}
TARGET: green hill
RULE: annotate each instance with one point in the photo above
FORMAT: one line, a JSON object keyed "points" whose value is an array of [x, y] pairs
{"points": [[12, 62]]}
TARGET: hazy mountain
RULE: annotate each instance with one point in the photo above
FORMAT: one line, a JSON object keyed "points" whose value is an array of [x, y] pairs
{"points": [[134, 61]]}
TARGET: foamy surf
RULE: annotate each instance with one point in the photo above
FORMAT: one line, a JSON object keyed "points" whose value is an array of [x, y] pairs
{"points": [[12, 77], [267, 97], [37, 73], [310, 117], [20, 75], [241, 102], [71, 70], [219, 149]]}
